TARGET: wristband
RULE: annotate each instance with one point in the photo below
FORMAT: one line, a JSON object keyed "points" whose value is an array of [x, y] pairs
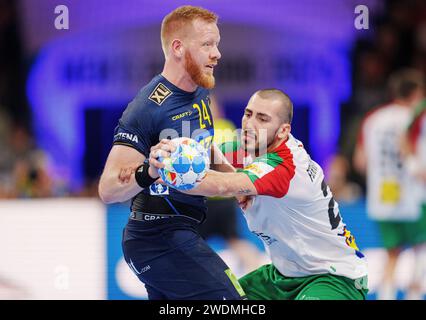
{"points": [[142, 177]]}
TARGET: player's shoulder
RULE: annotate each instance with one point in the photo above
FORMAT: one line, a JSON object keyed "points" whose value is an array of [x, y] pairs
{"points": [[149, 99], [290, 154], [155, 93], [203, 92], [379, 113], [284, 153], [418, 115], [160, 93], [290, 147]]}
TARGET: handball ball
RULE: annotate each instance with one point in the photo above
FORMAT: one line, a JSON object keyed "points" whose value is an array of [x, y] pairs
{"points": [[186, 166]]}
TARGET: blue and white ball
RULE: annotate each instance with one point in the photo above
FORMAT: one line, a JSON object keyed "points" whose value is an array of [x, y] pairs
{"points": [[186, 166]]}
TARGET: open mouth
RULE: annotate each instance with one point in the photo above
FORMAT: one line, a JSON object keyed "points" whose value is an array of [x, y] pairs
{"points": [[210, 66]]}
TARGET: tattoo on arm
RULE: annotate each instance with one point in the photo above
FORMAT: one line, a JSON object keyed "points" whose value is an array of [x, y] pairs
{"points": [[244, 191]]}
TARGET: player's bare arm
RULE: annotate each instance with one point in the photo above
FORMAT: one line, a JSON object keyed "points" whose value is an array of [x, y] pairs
{"points": [[117, 183], [223, 184], [220, 184], [219, 163]]}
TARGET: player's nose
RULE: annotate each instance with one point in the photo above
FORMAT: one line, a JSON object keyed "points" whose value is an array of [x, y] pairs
{"points": [[249, 124], [216, 55]]}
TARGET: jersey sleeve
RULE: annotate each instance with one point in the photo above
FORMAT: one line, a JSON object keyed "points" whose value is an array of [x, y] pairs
{"points": [[414, 127], [271, 174], [136, 128]]}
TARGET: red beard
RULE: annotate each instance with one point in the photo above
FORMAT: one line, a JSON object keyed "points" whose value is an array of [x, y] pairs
{"points": [[196, 73]]}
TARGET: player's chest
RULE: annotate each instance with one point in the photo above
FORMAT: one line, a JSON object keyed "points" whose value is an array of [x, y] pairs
{"points": [[190, 119], [189, 115], [265, 212]]}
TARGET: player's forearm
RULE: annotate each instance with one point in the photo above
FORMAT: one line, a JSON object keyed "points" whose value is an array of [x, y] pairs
{"points": [[218, 184], [211, 186], [223, 167], [112, 189]]}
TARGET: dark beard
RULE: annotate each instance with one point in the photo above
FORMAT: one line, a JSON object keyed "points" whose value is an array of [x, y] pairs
{"points": [[196, 74], [257, 150]]}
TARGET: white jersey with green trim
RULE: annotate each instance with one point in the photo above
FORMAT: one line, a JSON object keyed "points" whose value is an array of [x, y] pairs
{"points": [[416, 163], [393, 194], [297, 218]]}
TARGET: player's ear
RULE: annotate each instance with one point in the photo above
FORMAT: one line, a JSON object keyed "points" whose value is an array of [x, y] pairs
{"points": [[284, 131], [177, 48]]}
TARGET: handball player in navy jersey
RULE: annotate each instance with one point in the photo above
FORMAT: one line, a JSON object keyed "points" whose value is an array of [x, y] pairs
{"points": [[160, 242]]}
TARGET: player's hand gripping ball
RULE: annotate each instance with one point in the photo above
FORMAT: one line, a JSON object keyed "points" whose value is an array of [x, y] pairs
{"points": [[186, 166]]}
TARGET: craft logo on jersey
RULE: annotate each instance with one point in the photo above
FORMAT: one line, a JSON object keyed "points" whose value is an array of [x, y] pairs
{"points": [[160, 94], [181, 115]]}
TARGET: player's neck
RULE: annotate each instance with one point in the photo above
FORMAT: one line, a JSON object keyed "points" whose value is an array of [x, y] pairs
{"points": [[270, 148], [276, 144], [177, 75], [404, 103]]}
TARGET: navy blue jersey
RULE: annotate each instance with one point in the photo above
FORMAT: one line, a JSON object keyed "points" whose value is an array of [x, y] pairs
{"points": [[162, 110]]}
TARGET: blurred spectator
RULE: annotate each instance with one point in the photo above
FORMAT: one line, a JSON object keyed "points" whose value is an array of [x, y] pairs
{"points": [[337, 179], [397, 39], [90, 189], [5, 176], [23, 167], [370, 85], [12, 67]]}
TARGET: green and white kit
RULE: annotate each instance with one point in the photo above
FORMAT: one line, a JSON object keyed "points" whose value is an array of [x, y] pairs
{"points": [[299, 223]]}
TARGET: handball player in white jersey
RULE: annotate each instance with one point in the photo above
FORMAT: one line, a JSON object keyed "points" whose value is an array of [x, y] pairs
{"points": [[288, 205], [394, 194]]}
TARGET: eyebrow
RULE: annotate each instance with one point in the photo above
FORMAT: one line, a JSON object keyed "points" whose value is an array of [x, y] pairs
{"points": [[261, 114], [208, 37]]}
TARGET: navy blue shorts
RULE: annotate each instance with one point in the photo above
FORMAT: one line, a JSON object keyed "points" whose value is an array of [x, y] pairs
{"points": [[175, 263]]}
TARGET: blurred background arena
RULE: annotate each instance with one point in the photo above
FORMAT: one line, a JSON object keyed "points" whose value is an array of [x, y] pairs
{"points": [[63, 90]]}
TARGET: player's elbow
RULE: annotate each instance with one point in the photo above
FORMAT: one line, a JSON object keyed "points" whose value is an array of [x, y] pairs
{"points": [[107, 199], [105, 194]]}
